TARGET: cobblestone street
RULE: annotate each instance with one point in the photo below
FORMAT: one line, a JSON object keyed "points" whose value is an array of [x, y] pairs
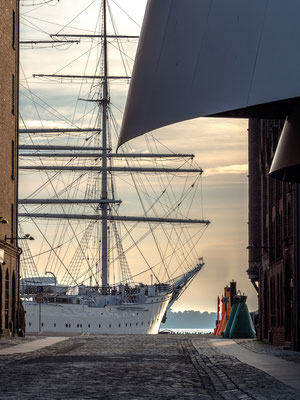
{"points": [[135, 367]]}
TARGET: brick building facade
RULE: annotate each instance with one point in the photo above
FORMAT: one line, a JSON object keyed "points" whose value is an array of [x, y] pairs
{"points": [[273, 220], [9, 60]]}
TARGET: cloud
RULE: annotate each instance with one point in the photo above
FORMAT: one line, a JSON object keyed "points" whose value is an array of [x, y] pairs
{"points": [[229, 169]]}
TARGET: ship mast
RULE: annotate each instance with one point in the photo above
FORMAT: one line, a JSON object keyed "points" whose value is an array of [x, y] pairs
{"points": [[100, 150], [104, 103]]}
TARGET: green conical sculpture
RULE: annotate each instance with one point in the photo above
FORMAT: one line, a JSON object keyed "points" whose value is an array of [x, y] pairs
{"points": [[242, 326], [231, 316]]}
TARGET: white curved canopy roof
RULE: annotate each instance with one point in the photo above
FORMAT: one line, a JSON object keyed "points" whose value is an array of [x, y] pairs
{"points": [[206, 57]]}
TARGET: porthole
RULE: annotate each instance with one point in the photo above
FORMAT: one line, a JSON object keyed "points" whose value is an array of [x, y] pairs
{"points": [[102, 313], [137, 313]]}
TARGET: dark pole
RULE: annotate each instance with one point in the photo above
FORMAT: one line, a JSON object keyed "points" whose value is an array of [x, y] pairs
{"points": [[17, 162], [232, 292], [296, 297], [18, 308]]}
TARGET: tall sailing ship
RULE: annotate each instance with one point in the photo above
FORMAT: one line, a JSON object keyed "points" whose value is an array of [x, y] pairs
{"points": [[79, 279]]}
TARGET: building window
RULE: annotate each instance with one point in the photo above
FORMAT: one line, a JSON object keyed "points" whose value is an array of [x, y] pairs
{"points": [[272, 301], [278, 236], [6, 299], [1, 292], [99, 326], [89, 325], [13, 30], [29, 324], [110, 325], [13, 299], [66, 325], [42, 323], [136, 324], [12, 159], [77, 325], [119, 325], [12, 221], [13, 96], [290, 220], [54, 325], [281, 296], [278, 323]]}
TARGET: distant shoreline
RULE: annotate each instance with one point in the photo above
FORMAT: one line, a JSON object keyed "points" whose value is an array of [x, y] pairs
{"points": [[190, 320]]}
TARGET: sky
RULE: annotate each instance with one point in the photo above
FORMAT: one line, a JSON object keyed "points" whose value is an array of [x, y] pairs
{"points": [[220, 145]]}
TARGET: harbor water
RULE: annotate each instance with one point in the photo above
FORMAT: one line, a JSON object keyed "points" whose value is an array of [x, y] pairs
{"points": [[187, 331]]}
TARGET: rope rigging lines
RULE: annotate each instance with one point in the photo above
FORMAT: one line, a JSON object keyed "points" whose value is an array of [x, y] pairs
{"points": [[134, 248]]}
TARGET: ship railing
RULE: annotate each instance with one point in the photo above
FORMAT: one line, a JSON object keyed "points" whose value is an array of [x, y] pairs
{"points": [[164, 287], [120, 289]]}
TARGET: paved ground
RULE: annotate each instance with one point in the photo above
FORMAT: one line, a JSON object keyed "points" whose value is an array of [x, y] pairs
{"points": [[287, 372], [8, 342], [30, 346], [135, 367], [265, 348]]}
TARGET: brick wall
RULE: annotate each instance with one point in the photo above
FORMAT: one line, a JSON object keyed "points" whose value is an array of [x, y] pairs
{"points": [[275, 255], [8, 163]]}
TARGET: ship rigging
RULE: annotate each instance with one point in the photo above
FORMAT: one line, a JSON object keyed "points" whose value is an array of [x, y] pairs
{"points": [[91, 235]]}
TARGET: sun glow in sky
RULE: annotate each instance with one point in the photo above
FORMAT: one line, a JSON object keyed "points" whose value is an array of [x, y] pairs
{"points": [[220, 145]]}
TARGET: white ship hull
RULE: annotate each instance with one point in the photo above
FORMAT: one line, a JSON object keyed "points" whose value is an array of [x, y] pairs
{"points": [[121, 319]]}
